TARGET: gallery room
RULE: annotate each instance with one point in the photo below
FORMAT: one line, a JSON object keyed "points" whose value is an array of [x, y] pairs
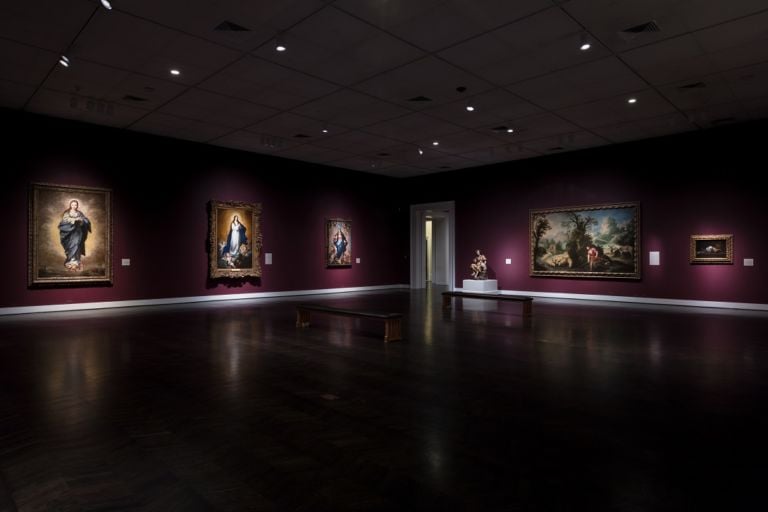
{"points": [[384, 255]]}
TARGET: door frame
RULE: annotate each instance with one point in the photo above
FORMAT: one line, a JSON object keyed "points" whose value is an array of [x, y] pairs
{"points": [[419, 212]]}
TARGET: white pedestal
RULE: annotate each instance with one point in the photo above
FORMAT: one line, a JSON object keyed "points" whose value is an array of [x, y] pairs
{"points": [[481, 285]]}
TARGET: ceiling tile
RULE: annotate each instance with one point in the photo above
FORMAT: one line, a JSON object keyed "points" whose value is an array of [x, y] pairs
{"points": [[289, 125], [691, 94], [749, 82], [133, 44], [616, 110], [262, 19], [542, 43], [263, 82], [536, 127], [255, 142], [340, 48], [579, 84], [356, 142], [180, 128], [429, 77], [667, 124], [217, 109], [351, 109], [107, 83], [46, 24], [606, 18], [435, 24], [312, 153], [24, 64], [412, 127], [495, 107], [69, 106], [466, 141], [14, 95], [501, 153]]}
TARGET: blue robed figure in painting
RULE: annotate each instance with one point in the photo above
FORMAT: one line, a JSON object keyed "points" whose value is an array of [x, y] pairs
{"points": [[235, 238], [340, 243], [73, 232]]}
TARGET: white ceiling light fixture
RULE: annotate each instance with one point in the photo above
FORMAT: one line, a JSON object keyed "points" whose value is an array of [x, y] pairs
{"points": [[435, 143], [175, 72], [584, 45], [280, 44], [510, 130], [470, 107], [64, 61], [107, 5], [632, 101], [421, 151]]}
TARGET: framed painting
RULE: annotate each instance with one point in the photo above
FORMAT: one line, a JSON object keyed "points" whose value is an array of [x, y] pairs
{"points": [[596, 241], [70, 235], [338, 243], [712, 249], [235, 239]]}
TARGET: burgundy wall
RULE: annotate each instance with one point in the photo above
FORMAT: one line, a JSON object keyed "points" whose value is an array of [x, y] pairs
{"points": [[695, 183], [161, 188]]}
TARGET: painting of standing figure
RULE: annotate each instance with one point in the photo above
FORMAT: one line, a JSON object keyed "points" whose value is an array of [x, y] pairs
{"points": [[338, 236], [586, 241], [235, 239], [70, 235]]}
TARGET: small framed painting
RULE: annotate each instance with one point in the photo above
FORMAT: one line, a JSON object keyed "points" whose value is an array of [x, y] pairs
{"points": [[717, 249], [235, 239], [338, 236], [70, 235]]}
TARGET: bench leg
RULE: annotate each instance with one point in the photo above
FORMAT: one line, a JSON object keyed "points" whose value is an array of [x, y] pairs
{"points": [[392, 330], [528, 308], [302, 318], [447, 302]]}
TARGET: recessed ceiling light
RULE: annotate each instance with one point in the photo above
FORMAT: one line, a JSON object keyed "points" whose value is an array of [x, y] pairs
{"points": [[632, 101], [175, 72], [421, 151], [280, 47], [470, 108], [64, 61], [435, 143], [324, 130], [585, 46], [510, 130], [106, 4]]}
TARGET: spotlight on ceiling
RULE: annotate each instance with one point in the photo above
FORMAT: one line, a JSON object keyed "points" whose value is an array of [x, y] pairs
{"points": [[585, 44], [280, 44], [106, 4], [435, 143], [470, 108], [632, 101], [421, 151], [175, 72], [64, 61]]}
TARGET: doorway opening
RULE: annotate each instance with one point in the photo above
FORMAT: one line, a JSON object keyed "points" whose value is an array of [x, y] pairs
{"points": [[432, 245]]}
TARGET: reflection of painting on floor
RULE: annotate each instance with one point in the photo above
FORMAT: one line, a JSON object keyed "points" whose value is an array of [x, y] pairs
{"points": [[590, 241]]}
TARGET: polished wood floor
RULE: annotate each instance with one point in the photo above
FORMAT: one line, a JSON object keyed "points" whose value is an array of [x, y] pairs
{"points": [[230, 407]]}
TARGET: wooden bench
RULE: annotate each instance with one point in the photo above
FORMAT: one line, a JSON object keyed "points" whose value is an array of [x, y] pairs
{"points": [[527, 301], [392, 321]]}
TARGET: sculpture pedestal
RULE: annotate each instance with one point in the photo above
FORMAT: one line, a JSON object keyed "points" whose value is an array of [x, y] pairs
{"points": [[481, 285]]}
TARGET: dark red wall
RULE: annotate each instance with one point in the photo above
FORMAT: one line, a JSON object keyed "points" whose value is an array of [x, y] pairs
{"points": [[698, 183], [161, 188]]}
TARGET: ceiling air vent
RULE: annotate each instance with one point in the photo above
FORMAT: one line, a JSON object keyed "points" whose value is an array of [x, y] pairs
{"points": [[419, 98], [695, 85], [229, 26], [628, 34], [131, 97]]}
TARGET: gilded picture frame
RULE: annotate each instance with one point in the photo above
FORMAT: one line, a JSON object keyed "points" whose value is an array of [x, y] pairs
{"points": [[594, 241], [338, 243], [711, 249], [234, 239], [70, 235]]}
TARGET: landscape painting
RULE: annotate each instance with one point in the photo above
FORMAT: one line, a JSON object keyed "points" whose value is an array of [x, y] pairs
{"points": [[596, 241]]}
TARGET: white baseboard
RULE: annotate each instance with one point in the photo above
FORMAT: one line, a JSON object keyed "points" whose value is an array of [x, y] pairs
{"points": [[185, 300], [641, 300]]}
